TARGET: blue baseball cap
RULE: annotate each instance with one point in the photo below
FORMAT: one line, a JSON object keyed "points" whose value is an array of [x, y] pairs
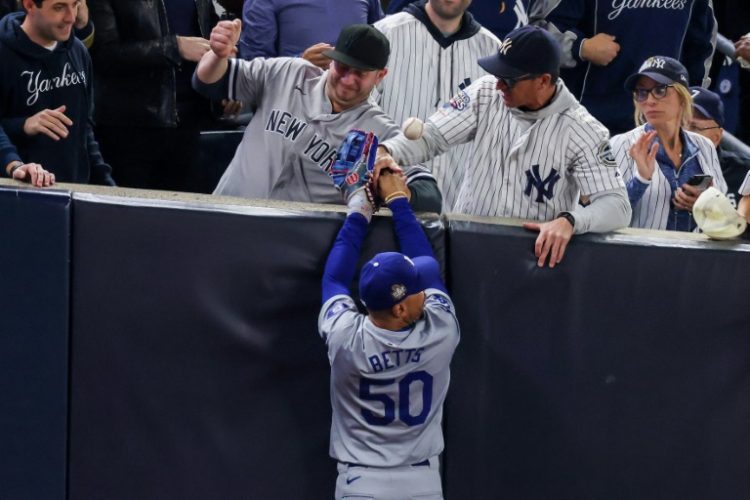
{"points": [[661, 69], [529, 50], [708, 104], [390, 277]]}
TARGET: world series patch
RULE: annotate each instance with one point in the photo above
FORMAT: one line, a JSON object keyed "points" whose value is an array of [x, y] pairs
{"points": [[460, 101]]}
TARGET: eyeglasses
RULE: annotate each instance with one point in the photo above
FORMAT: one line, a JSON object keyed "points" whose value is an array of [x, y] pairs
{"points": [[695, 128], [511, 82], [659, 92]]}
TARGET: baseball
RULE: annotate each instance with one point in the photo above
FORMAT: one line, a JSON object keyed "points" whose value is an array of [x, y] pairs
{"points": [[412, 128]]}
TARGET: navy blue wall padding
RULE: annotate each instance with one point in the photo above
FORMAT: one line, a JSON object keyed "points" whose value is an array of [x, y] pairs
{"points": [[198, 371], [34, 285], [624, 373]]}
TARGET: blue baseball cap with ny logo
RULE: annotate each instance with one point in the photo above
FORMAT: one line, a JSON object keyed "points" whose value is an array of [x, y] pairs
{"points": [[529, 50], [661, 69]]}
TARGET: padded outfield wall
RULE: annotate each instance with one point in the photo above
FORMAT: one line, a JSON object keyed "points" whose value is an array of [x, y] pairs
{"points": [[173, 353]]}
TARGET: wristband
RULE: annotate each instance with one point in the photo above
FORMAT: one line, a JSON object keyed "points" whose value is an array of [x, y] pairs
{"points": [[360, 203], [395, 195], [568, 217], [18, 164]]}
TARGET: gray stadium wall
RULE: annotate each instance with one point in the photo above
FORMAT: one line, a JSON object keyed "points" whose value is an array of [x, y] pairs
{"points": [[187, 329]]}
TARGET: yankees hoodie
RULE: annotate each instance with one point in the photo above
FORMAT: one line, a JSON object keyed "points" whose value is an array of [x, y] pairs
{"points": [[33, 78]]}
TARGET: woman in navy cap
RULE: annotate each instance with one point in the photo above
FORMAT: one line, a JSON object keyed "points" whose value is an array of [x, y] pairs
{"points": [[661, 162]]}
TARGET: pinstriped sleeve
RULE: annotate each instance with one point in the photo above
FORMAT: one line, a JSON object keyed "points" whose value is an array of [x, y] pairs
{"points": [[454, 123], [457, 119], [590, 155], [620, 147]]}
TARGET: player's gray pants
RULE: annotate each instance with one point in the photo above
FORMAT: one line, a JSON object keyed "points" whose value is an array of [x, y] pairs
{"points": [[411, 482]]}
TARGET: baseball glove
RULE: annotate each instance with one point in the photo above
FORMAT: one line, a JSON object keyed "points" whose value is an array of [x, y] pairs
{"points": [[355, 162]]}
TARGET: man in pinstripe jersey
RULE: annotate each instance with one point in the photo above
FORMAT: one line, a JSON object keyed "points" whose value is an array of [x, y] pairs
{"points": [[435, 45], [535, 150]]}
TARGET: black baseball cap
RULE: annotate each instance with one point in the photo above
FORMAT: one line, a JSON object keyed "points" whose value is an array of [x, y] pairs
{"points": [[529, 50], [661, 69], [708, 104], [361, 46]]}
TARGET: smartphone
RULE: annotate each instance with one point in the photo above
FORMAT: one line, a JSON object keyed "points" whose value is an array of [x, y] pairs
{"points": [[701, 181]]}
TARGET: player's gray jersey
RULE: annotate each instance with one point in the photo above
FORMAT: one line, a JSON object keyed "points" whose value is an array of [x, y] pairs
{"points": [[423, 75], [291, 142], [388, 388], [524, 164], [652, 210]]}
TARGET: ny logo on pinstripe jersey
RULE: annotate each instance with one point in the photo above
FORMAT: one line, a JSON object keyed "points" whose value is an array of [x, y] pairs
{"points": [[544, 187]]}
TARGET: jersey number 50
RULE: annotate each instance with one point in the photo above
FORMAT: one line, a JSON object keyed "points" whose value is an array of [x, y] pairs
{"points": [[404, 396]]}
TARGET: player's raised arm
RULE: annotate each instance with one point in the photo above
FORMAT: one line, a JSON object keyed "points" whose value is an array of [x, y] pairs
{"points": [[411, 238], [351, 173], [341, 264]]}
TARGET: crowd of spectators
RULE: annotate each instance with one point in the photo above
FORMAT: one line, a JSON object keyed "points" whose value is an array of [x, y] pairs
{"points": [[106, 91]]}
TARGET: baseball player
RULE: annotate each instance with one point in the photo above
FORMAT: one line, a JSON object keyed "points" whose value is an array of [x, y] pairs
{"points": [[435, 47], [390, 367], [301, 114], [535, 150]]}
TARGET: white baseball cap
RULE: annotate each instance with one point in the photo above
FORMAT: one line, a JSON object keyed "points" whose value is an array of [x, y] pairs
{"points": [[715, 215]]}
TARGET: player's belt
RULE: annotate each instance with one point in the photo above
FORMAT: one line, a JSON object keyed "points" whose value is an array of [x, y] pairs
{"points": [[418, 464]]}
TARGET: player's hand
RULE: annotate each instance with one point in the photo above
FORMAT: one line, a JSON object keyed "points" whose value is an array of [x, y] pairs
{"points": [[552, 241], [314, 54], [224, 38], [600, 49], [391, 182], [384, 161], [34, 174], [192, 48], [231, 108], [742, 48], [643, 152], [686, 196], [82, 16], [50, 122]]}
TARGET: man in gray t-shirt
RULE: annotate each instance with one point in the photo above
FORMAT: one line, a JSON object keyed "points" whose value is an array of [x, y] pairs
{"points": [[301, 115]]}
